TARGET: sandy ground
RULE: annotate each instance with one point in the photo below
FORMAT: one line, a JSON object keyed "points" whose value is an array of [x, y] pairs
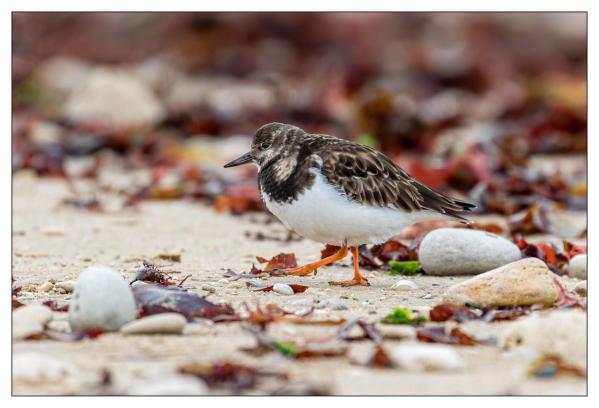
{"points": [[55, 242]]}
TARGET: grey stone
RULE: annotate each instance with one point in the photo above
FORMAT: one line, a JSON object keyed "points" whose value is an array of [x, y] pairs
{"points": [[577, 268], [101, 300], [459, 251]]}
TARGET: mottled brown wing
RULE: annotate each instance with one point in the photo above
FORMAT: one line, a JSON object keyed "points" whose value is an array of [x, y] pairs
{"points": [[372, 178], [369, 176]]}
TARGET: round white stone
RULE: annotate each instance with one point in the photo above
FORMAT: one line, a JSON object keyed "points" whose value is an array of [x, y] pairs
{"points": [[282, 289], [577, 268], [459, 251], [101, 300], [420, 357], [404, 284], [159, 323]]}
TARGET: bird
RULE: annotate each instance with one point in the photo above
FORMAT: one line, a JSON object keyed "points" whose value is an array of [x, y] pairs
{"points": [[339, 192]]}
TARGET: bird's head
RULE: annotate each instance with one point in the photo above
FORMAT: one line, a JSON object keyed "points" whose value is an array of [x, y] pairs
{"points": [[271, 142]]}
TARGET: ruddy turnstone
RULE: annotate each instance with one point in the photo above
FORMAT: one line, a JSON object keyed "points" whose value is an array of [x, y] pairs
{"points": [[339, 192]]}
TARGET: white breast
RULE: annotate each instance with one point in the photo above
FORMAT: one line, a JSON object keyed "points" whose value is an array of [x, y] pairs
{"points": [[326, 215]]}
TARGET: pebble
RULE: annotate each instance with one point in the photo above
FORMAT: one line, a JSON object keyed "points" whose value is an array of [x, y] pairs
{"points": [[172, 323], [427, 296], [333, 304], [173, 384], [282, 289], [36, 368], [459, 251], [115, 96], [233, 285], [577, 268], [67, 286], [557, 332], [404, 284], [581, 288], [52, 231], [522, 283], [101, 300], [421, 357], [208, 288], [46, 287], [29, 320], [397, 331]]}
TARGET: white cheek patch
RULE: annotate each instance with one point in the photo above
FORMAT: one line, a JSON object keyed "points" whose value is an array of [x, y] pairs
{"points": [[285, 167]]}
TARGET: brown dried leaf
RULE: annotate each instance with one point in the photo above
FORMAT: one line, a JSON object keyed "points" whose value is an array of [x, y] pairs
{"points": [[440, 335]]}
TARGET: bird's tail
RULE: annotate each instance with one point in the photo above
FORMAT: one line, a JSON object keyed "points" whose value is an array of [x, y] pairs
{"points": [[443, 204]]}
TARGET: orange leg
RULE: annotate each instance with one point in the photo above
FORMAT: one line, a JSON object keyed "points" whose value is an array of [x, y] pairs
{"points": [[357, 279], [308, 269]]}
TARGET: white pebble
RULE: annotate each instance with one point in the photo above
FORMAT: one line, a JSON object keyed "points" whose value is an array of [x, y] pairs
{"points": [[101, 300], [422, 357], [34, 312], [577, 267], [282, 289], [404, 284], [172, 323]]}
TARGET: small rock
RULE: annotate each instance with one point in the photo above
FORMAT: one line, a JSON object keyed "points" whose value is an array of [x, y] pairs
{"points": [[282, 289], [581, 288], [115, 97], [577, 268], [208, 288], [404, 284], [233, 285], [52, 231], [421, 357], [174, 384], [68, 286], [397, 331], [459, 251], [33, 313], [158, 323], [521, 283], [46, 287], [101, 300], [427, 296], [36, 368]]}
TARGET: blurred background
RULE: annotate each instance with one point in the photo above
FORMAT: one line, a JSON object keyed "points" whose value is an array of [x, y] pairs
{"points": [[491, 107]]}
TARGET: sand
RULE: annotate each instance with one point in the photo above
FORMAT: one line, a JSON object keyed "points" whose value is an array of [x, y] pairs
{"points": [[54, 242]]}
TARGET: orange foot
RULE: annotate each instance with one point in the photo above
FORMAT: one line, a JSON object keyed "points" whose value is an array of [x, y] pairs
{"points": [[357, 280], [312, 267]]}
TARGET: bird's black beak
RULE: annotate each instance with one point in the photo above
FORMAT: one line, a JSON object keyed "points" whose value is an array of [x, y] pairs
{"points": [[246, 158]]}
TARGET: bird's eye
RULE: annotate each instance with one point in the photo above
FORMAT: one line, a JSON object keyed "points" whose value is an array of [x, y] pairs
{"points": [[264, 146]]}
